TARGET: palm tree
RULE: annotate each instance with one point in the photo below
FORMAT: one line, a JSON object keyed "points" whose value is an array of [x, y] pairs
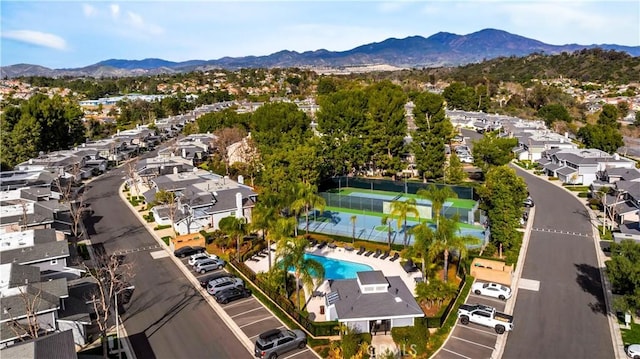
{"points": [[423, 239], [437, 196], [307, 199], [402, 210], [235, 228], [263, 218], [290, 252], [386, 221], [447, 239], [353, 230]]}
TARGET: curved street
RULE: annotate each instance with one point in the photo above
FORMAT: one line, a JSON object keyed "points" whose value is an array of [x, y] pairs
{"points": [[565, 317], [167, 317]]}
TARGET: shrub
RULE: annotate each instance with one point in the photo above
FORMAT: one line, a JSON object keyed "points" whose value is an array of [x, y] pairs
{"points": [[583, 194], [553, 178], [490, 250], [158, 228], [166, 239]]}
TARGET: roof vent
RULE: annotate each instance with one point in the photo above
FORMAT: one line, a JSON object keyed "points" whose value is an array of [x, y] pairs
{"points": [[398, 299]]}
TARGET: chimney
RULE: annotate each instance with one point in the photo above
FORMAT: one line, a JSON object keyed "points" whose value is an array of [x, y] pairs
{"points": [[184, 153], [175, 170], [566, 134], [238, 205], [241, 179]]}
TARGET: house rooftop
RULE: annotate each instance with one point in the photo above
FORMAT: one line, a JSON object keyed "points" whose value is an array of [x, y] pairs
{"points": [[57, 345]]}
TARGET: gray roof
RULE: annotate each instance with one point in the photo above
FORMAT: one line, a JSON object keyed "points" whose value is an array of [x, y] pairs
{"points": [[21, 274], [630, 228], [45, 247], [625, 208], [41, 215], [627, 174], [371, 277], [632, 188], [565, 171], [552, 166], [76, 307], [39, 294], [352, 304], [59, 345]]}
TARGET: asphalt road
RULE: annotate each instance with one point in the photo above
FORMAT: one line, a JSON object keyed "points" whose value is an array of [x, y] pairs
{"points": [[166, 317], [566, 317]]}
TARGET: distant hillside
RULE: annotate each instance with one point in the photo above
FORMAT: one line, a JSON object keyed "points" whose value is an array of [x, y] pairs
{"points": [[439, 50], [586, 65]]}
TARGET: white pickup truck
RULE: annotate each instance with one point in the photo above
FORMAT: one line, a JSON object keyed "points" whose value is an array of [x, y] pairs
{"points": [[486, 316]]}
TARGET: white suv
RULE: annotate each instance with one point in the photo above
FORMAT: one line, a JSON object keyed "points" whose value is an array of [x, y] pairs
{"points": [[196, 257]]}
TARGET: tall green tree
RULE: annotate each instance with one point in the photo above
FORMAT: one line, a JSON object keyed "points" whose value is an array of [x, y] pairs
{"points": [[554, 112], [433, 130], [454, 172], [423, 240], [386, 221], [263, 218], [609, 116], [491, 151], [290, 252], [461, 97], [623, 271], [401, 211], [603, 137], [501, 198]]}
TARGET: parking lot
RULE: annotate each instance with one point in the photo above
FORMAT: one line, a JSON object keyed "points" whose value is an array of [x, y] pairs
{"points": [[472, 340], [253, 318]]}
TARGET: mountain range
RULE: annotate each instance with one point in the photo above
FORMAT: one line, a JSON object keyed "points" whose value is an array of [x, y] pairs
{"points": [[439, 50]]}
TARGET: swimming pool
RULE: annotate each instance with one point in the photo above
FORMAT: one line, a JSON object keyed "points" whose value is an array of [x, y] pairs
{"points": [[339, 269]]}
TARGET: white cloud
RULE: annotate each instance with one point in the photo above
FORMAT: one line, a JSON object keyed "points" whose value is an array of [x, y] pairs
{"points": [[89, 10], [137, 22], [115, 10], [36, 38]]}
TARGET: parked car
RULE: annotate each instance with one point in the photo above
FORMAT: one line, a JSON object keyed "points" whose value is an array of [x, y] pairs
{"points": [[275, 342], [491, 290], [206, 265], [528, 202], [486, 316], [203, 255], [633, 351], [466, 159], [187, 251], [231, 294], [206, 279], [221, 284]]}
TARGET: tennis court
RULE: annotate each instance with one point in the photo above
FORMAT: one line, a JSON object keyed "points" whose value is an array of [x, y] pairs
{"points": [[358, 213]]}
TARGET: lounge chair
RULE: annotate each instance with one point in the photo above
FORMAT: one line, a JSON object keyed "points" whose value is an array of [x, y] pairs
{"points": [[409, 266], [362, 249], [384, 255], [395, 257], [332, 245], [322, 244], [377, 253], [348, 248], [313, 243], [368, 253]]}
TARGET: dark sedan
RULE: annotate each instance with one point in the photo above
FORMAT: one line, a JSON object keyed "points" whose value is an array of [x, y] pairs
{"points": [[187, 251], [231, 294]]}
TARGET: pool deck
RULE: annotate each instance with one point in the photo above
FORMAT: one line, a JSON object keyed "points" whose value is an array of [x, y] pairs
{"points": [[387, 267]]}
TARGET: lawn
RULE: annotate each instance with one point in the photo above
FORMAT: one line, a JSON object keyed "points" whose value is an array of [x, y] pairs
{"points": [[631, 336]]}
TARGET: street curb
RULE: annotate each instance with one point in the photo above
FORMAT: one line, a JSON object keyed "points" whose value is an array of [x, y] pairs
{"points": [[614, 329], [212, 303]]}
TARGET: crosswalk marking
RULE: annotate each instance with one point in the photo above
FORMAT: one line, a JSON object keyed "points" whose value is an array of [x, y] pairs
{"points": [[529, 284], [569, 233]]}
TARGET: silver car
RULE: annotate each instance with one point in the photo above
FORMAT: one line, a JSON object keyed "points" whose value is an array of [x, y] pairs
{"points": [[275, 342], [220, 284], [207, 265]]}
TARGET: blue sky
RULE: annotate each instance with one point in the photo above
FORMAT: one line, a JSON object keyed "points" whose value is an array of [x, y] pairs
{"points": [[76, 33]]}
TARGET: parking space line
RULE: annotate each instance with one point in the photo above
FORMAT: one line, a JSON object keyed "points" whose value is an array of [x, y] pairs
{"points": [[478, 330], [241, 301], [458, 354], [294, 354], [256, 321], [487, 298], [245, 312], [257, 335], [474, 343]]}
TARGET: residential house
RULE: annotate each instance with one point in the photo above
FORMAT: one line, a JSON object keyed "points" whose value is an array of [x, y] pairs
{"points": [[57, 345], [46, 249], [24, 297], [60, 163], [149, 168], [580, 166], [371, 303], [533, 143], [202, 199], [10, 180]]}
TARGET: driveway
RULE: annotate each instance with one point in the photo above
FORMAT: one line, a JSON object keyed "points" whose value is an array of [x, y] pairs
{"points": [[167, 317], [560, 310]]}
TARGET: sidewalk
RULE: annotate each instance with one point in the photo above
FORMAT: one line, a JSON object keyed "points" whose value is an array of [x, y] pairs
{"points": [[614, 327]]}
